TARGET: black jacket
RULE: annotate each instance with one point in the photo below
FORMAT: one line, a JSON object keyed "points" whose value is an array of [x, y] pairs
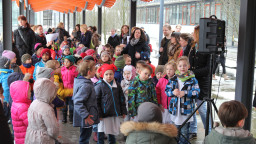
{"points": [[200, 65], [5, 133], [62, 32], [29, 36], [110, 101], [163, 59], [131, 50], [86, 39], [114, 41], [41, 40]]}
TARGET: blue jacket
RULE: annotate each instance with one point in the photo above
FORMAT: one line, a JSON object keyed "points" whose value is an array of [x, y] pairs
{"points": [[119, 75], [85, 102], [4, 81], [110, 100], [35, 59], [187, 104], [39, 64]]}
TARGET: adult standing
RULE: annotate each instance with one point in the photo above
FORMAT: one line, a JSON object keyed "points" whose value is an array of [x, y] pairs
{"points": [[136, 46], [124, 35], [185, 43], [199, 64], [86, 36], [40, 37], [62, 32], [174, 49], [147, 36], [24, 37], [113, 40], [95, 42], [165, 43], [78, 32]]}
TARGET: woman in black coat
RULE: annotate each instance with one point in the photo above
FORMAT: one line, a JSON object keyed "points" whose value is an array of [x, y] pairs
{"points": [[86, 36], [185, 43], [136, 46], [113, 40], [24, 37], [62, 32], [40, 37]]}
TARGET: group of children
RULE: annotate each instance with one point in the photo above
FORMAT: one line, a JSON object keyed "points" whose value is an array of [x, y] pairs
{"points": [[97, 89]]}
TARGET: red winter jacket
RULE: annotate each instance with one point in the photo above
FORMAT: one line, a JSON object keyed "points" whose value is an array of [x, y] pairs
{"points": [[19, 110], [160, 92]]}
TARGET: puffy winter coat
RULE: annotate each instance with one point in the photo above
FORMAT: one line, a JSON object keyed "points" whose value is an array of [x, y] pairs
{"points": [[149, 133], [29, 37], [85, 102], [110, 99], [27, 70], [68, 76], [62, 93], [15, 68], [4, 73], [5, 133], [41, 63], [35, 59], [160, 92], [119, 75], [131, 50], [43, 126], [19, 110]]}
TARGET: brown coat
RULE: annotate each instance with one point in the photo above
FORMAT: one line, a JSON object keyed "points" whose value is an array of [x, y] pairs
{"points": [[176, 55]]}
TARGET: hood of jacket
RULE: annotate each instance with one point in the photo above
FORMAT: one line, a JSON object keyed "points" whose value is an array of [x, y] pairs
{"points": [[80, 80], [18, 95], [155, 127], [45, 90]]}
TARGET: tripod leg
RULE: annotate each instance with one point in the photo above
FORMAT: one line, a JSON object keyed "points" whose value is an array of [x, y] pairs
{"points": [[207, 119]]}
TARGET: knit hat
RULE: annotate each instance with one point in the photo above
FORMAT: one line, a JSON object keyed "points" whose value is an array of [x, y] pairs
{"points": [[71, 58], [9, 54], [120, 62], [83, 55], [64, 47], [43, 72], [37, 46], [105, 53], [25, 57], [106, 67], [4, 63], [159, 68], [90, 52], [144, 56], [88, 57], [149, 112], [131, 69], [47, 51]]}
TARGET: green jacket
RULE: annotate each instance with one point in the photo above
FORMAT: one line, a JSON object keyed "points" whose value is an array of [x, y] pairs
{"points": [[149, 133], [218, 138]]}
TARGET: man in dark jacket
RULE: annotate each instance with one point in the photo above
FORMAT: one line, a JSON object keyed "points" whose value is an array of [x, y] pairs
{"points": [[114, 40]]}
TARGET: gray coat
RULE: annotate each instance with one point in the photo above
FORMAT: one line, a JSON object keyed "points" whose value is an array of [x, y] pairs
{"points": [[85, 102], [43, 127]]}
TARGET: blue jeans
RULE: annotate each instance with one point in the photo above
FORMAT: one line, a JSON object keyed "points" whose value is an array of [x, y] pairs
{"points": [[111, 138], [85, 134], [202, 112], [185, 131]]}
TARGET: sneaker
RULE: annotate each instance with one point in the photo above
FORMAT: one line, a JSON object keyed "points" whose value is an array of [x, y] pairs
{"points": [[192, 136]]}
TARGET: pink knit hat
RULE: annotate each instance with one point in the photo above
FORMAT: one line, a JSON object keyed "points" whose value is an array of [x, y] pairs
{"points": [[9, 54]]}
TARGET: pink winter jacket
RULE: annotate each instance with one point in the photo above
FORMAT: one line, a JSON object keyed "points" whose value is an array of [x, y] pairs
{"points": [[68, 76], [19, 110], [160, 92]]}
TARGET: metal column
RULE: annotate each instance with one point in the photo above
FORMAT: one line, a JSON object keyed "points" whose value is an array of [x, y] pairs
{"points": [[21, 8], [133, 14], [246, 57], [68, 20], [7, 24], [161, 21], [99, 20], [64, 18], [32, 17], [83, 16], [59, 17], [74, 18]]}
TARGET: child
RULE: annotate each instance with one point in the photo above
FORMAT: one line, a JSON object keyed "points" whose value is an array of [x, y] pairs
{"points": [[232, 115], [108, 48], [65, 52], [12, 57], [45, 54], [68, 72], [43, 126], [96, 78], [111, 104], [162, 98], [85, 102], [5, 71], [128, 74], [145, 57], [118, 51], [105, 58], [27, 66], [20, 92], [91, 52], [183, 90], [149, 129], [138, 66], [119, 63], [159, 73], [141, 89], [128, 60], [36, 57]]}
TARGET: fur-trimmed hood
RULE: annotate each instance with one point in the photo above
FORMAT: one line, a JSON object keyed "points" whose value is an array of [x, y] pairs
{"points": [[155, 127]]}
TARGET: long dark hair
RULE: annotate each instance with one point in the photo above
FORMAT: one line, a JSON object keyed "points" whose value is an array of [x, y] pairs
{"points": [[142, 36], [122, 28], [22, 17]]}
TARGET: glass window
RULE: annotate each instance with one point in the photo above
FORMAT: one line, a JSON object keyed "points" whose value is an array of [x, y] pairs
{"points": [[218, 10], [192, 15], [167, 15], [157, 15], [207, 10], [184, 14], [47, 18], [179, 14], [174, 15]]}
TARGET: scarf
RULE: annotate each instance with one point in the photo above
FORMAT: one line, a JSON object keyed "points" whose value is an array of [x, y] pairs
{"points": [[27, 65], [113, 35], [134, 41], [184, 77]]}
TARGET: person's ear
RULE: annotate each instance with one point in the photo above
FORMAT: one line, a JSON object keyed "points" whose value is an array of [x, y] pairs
{"points": [[240, 123]]}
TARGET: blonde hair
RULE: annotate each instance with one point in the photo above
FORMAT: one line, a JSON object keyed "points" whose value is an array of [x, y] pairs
{"points": [[183, 58], [84, 27], [172, 63], [60, 25], [86, 66], [51, 64]]}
